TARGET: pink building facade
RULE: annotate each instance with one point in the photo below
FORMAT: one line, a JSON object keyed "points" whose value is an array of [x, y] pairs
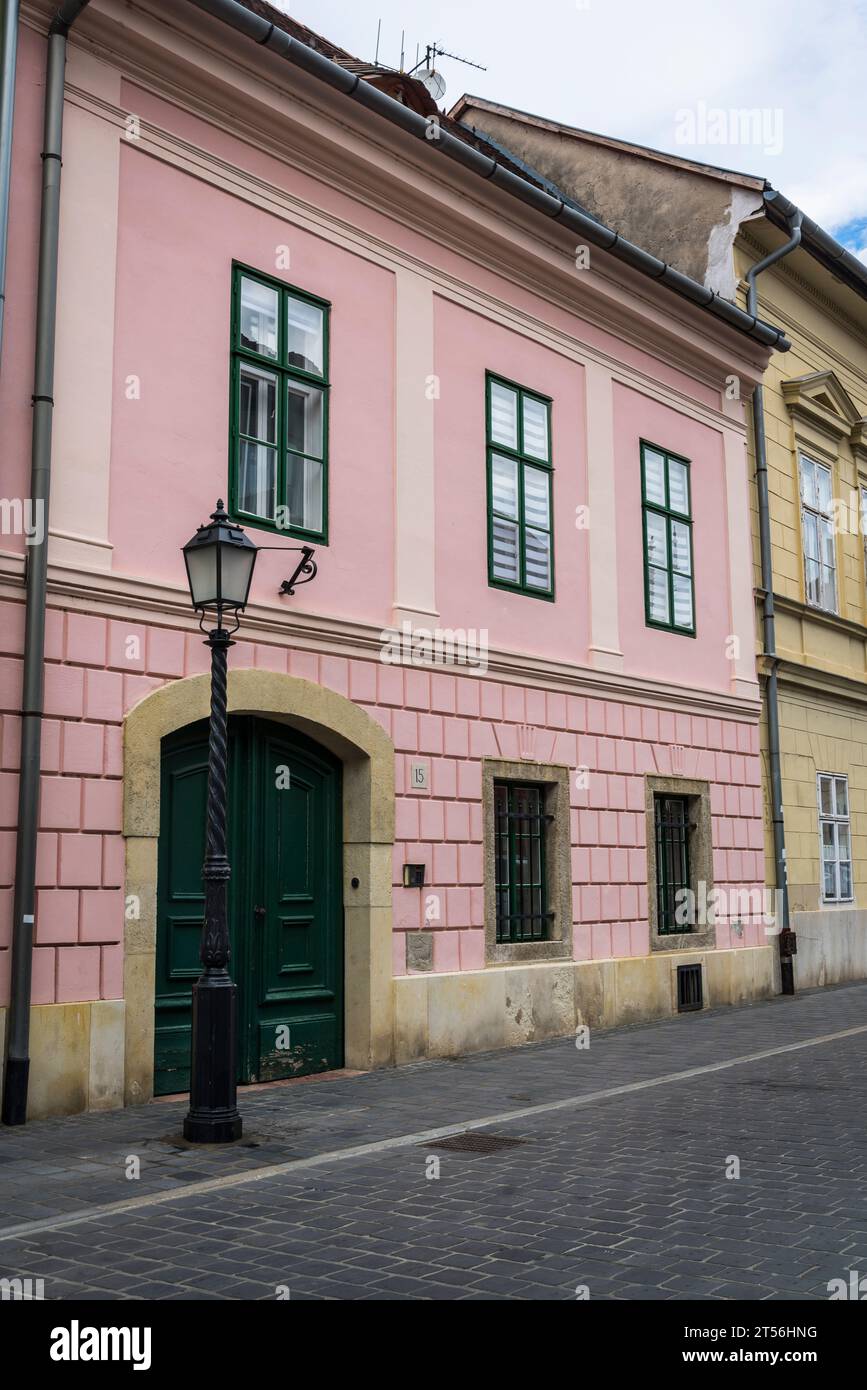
{"points": [[497, 413]]}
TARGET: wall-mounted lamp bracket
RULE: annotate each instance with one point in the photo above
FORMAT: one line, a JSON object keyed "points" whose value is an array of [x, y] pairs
{"points": [[304, 571]]}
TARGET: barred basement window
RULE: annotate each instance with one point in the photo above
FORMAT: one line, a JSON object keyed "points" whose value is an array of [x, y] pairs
{"points": [[278, 470], [520, 524], [519, 854], [674, 913], [669, 589], [834, 831]]}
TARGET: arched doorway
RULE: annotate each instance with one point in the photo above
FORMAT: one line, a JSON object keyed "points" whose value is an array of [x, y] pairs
{"points": [[285, 909], [366, 755]]}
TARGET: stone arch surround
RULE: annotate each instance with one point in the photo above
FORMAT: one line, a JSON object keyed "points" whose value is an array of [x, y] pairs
{"points": [[367, 755]]}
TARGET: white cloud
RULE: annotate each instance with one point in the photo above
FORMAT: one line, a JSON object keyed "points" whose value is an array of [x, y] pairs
{"points": [[627, 68]]}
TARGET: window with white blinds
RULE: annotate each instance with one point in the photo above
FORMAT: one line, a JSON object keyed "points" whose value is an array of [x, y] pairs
{"points": [[520, 522], [669, 579]]}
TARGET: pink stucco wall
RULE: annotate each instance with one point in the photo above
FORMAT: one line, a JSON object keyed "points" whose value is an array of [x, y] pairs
{"points": [[452, 721], [177, 238], [703, 662], [466, 346]]}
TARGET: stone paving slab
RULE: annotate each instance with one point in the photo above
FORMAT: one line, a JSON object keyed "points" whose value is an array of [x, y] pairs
{"points": [[81, 1160], [626, 1195]]}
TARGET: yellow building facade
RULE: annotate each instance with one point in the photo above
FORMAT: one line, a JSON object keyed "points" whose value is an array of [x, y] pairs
{"points": [[815, 405], [815, 409]]}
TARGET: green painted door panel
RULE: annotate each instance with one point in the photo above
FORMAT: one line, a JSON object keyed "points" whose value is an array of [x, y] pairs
{"points": [[180, 907], [285, 904], [299, 958]]}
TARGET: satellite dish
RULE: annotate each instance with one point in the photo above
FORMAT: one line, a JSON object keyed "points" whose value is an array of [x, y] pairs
{"points": [[433, 81]]}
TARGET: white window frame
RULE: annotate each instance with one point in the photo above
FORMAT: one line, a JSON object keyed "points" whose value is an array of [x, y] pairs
{"points": [[836, 821], [862, 518], [812, 510]]}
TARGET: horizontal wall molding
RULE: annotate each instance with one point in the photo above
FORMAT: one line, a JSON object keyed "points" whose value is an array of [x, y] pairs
{"points": [[813, 685], [819, 618], [120, 596]]}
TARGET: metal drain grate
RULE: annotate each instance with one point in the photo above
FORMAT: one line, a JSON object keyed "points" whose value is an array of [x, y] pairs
{"points": [[474, 1143]]}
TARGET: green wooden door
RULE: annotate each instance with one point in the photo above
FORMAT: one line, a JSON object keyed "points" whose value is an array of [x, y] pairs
{"points": [[285, 906]]}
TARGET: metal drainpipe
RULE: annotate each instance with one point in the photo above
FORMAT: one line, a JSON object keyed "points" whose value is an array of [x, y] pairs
{"points": [[8, 55], [18, 1037], [787, 965]]}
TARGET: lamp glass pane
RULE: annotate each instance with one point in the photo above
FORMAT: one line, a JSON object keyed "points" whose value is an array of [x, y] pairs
{"points": [[237, 563], [202, 570]]}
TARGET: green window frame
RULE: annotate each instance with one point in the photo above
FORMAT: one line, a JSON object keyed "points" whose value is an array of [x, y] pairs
{"points": [[520, 489], [673, 869], [278, 448], [667, 538], [520, 867]]}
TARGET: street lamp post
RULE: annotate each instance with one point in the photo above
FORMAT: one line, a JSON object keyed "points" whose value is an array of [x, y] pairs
{"points": [[219, 560]]}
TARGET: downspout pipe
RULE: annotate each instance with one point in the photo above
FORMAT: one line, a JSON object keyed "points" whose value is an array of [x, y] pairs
{"points": [[8, 61], [24, 904], [769, 639], [580, 224], [820, 244]]}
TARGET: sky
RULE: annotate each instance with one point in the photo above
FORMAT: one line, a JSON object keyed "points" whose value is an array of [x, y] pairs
{"points": [[776, 88]]}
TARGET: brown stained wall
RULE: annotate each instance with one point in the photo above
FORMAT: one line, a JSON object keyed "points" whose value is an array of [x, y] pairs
{"points": [[665, 210]]}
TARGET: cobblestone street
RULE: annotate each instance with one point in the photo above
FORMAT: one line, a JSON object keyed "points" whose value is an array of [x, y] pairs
{"points": [[615, 1182]]}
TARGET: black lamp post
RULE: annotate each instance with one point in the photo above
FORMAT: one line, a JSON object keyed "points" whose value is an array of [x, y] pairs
{"points": [[219, 560]]}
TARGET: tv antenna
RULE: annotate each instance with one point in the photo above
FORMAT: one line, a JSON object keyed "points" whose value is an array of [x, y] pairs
{"points": [[430, 77]]}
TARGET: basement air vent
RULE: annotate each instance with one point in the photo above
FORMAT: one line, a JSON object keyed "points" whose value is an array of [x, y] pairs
{"points": [[690, 996]]}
